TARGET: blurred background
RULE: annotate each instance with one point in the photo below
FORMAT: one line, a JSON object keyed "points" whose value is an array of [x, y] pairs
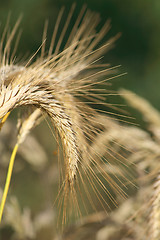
{"points": [[138, 49], [138, 53]]}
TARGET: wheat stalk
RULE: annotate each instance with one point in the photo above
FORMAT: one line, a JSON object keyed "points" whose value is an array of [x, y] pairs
{"points": [[24, 129]]}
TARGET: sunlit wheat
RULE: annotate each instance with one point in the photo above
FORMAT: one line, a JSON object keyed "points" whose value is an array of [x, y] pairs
{"points": [[66, 82]]}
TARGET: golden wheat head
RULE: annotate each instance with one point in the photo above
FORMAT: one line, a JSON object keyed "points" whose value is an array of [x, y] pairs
{"points": [[65, 84]]}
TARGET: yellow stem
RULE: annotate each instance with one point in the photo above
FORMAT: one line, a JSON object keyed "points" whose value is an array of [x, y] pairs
{"points": [[4, 119], [8, 179]]}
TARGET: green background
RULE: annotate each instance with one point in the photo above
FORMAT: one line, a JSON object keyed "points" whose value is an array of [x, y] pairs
{"points": [[138, 49]]}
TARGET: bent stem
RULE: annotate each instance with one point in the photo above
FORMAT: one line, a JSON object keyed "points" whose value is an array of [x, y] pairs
{"points": [[4, 119], [8, 179]]}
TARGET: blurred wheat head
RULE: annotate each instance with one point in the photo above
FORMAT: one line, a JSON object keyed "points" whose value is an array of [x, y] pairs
{"points": [[66, 82]]}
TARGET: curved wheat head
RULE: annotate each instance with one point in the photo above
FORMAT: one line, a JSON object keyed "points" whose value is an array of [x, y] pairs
{"points": [[65, 81]]}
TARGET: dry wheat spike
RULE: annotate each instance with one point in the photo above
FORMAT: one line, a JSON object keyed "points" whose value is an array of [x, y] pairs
{"points": [[65, 81]]}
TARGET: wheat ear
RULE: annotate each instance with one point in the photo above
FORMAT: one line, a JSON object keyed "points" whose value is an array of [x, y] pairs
{"points": [[65, 85]]}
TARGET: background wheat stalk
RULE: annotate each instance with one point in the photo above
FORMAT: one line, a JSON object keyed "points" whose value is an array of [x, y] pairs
{"points": [[155, 213]]}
